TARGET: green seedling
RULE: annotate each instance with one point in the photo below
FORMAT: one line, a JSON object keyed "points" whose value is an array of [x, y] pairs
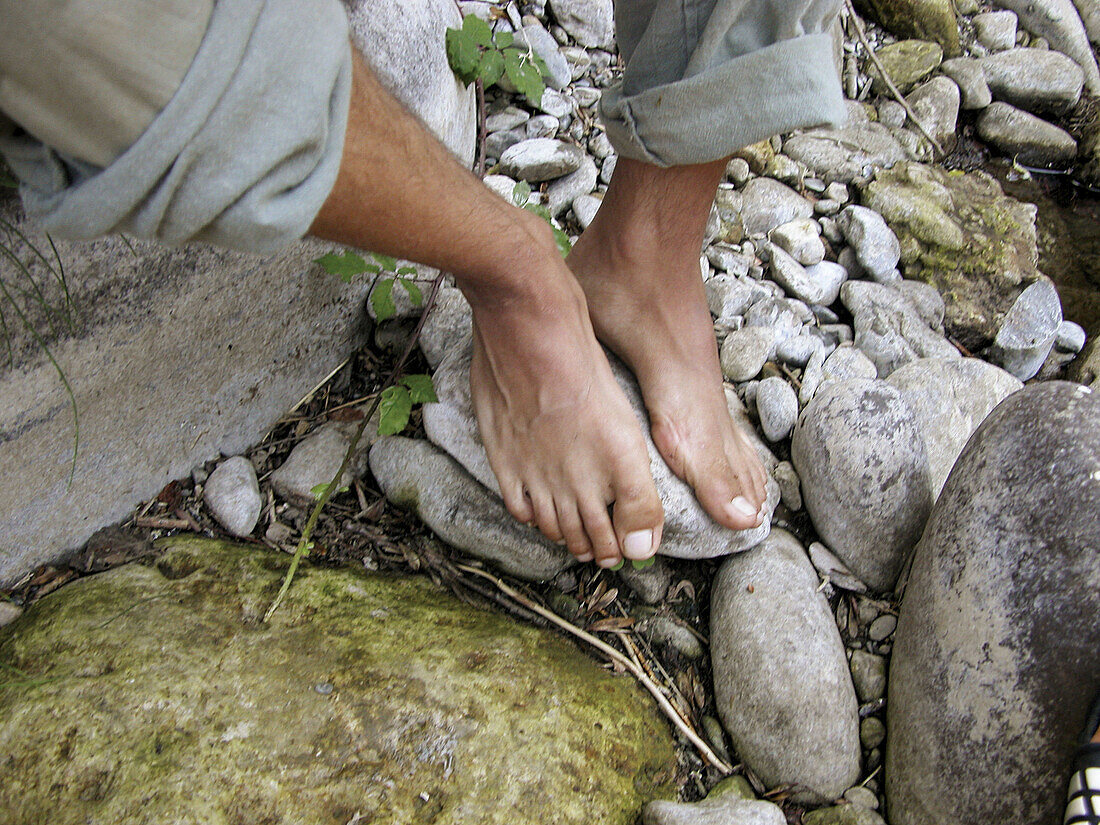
{"points": [[521, 192], [477, 53]]}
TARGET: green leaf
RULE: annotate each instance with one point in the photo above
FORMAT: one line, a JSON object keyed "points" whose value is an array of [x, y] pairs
{"points": [[415, 295], [407, 270], [642, 564], [529, 82], [478, 30], [346, 266], [320, 489], [492, 68], [503, 39], [421, 388], [562, 240], [521, 192], [385, 261], [382, 300], [463, 55], [395, 407]]}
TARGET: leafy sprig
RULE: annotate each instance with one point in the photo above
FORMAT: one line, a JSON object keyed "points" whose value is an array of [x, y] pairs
{"points": [[475, 52], [521, 193], [397, 401]]}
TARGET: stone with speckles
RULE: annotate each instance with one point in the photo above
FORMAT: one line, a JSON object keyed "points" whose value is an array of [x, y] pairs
{"points": [[994, 660]]}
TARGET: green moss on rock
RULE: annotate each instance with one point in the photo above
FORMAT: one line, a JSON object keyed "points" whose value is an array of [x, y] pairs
{"points": [[924, 19], [168, 700], [961, 233]]}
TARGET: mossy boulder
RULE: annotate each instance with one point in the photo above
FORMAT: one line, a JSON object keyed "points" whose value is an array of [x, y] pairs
{"points": [[155, 693], [933, 20], [907, 62], [961, 233]]}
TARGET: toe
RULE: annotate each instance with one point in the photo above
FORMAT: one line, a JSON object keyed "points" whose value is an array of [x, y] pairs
{"points": [[638, 517], [515, 500], [601, 535], [546, 516], [572, 528]]}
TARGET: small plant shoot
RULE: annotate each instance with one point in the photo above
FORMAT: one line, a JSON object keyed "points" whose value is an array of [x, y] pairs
{"points": [[398, 401], [386, 273], [520, 194], [476, 53]]}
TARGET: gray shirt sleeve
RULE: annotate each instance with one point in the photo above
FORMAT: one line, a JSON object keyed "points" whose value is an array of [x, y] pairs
{"points": [[244, 153]]}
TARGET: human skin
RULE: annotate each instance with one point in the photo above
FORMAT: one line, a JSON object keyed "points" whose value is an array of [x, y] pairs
{"points": [[561, 438]]}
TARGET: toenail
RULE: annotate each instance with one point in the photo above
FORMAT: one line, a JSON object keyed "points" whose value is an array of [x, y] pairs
{"points": [[638, 545], [610, 563], [741, 506], [586, 556]]}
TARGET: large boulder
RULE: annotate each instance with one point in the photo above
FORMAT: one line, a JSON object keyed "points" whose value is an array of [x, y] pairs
{"points": [[404, 43], [865, 477], [924, 19], [178, 355], [781, 681], [994, 661], [688, 532], [962, 234], [160, 695]]}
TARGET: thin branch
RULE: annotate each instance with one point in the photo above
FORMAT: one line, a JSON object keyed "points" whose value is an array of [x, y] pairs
{"points": [[613, 654], [898, 96], [304, 542]]}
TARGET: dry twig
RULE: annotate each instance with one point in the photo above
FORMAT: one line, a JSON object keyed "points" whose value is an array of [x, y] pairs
{"points": [[857, 24], [616, 657]]}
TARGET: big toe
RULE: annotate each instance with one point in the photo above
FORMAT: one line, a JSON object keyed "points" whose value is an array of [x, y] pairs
{"points": [[638, 517]]}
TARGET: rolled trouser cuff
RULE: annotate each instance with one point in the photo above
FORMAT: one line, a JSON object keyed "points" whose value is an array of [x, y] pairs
{"points": [[244, 154], [792, 84]]}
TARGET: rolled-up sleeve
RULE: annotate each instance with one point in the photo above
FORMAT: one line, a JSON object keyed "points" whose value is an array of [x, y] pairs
{"points": [[705, 78], [242, 155]]}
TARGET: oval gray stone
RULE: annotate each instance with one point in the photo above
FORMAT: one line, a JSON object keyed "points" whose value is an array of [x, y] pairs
{"points": [[949, 398], [539, 159], [781, 680], [745, 351], [777, 406], [994, 660], [233, 495], [1037, 80], [864, 472], [418, 476], [722, 810], [877, 247], [767, 203], [1028, 330], [1025, 137]]}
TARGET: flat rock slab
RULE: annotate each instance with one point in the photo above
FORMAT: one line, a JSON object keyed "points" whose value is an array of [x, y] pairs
{"points": [[688, 533], [994, 661], [963, 235], [164, 698]]}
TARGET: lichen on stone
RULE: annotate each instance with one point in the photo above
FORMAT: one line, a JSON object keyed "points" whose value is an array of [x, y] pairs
{"points": [[163, 697], [961, 233]]}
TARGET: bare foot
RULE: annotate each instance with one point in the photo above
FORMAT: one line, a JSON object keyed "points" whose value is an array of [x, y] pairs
{"points": [[638, 264], [560, 435]]}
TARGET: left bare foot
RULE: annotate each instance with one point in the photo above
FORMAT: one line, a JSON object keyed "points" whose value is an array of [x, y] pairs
{"points": [[638, 264]]}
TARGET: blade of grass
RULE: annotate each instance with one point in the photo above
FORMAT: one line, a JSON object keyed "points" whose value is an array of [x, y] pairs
{"points": [[60, 374]]}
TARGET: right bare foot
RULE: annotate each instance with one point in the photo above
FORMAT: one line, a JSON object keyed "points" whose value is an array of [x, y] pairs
{"points": [[559, 433]]}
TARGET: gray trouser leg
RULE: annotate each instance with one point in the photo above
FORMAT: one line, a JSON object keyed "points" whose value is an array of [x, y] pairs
{"points": [[705, 77]]}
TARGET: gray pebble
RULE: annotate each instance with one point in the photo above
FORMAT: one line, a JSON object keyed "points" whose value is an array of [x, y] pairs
{"points": [[872, 732], [1070, 337], [777, 406], [9, 612], [744, 352], [232, 495], [882, 628], [868, 675], [789, 491]]}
